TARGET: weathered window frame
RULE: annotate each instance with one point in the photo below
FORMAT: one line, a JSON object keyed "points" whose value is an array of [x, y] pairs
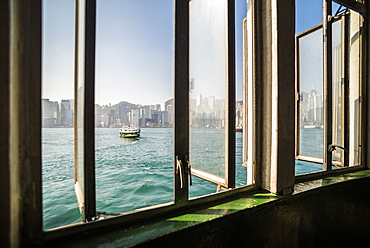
{"points": [[326, 26], [84, 75], [181, 183], [228, 181], [23, 152]]}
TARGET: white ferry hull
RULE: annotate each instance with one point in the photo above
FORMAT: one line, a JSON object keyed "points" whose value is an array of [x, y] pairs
{"points": [[129, 135], [129, 132]]}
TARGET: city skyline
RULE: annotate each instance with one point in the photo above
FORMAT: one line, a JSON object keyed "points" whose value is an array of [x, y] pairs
{"points": [[205, 111]]}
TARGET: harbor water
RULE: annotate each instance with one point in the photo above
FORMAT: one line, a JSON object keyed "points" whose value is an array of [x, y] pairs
{"points": [[130, 173]]}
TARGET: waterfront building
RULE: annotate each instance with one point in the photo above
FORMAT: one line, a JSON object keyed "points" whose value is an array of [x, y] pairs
{"points": [[112, 118], [146, 111], [315, 107], [134, 116], [169, 107], [122, 113], [159, 118], [50, 113], [239, 114], [102, 120], [66, 113]]}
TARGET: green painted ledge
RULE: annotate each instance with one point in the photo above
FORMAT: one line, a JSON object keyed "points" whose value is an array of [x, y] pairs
{"points": [[301, 187], [139, 234]]}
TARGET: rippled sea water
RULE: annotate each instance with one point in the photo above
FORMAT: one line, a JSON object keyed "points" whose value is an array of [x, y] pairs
{"points": [[130, 173]]}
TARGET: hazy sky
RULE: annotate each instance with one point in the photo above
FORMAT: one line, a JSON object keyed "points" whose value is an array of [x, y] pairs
{"points": [[309, 14], [134, 53], [135, 46]]}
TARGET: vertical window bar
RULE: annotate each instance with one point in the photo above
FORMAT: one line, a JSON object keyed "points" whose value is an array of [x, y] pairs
{"points": [[90, 34], [297, 99], [245, 93], [345, 88], [25, 122], [364, 107], [84, 107], [230, 96], [4, 124], [327, 73], [181, 124]]}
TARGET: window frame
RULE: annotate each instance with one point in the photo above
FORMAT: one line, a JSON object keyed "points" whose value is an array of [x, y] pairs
{"points": [[228, 181], [84, 124], [5, 206], [25, 24], [327, 161], [181, 147]]}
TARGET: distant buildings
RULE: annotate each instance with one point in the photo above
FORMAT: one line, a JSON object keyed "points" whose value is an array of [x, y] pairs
{"points": [[66, 113], [311, 109], [205, 112], [134, 116], [239, 114], [170, 108], [55, 114]]}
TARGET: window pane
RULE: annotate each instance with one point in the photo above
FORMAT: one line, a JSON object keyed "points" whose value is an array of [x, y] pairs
{"points": [[208, 86], [59, 201], [337, 101], [310, 98], [355, 65], [79, 138], [240, 123], [134, 87]]}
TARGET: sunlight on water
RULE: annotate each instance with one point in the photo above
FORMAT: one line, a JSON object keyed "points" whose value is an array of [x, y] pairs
{"points": [[130, 173]]}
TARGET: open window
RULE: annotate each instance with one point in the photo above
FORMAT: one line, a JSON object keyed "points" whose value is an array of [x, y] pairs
{"points": [[84, 108], [204, 116], [328, 93], [211, 152]]}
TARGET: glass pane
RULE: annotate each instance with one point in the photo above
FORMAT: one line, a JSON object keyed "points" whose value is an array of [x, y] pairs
{"points": [[311, 100], [134, 92], [208, 56], [355, 88], [80, 84], [59, 201], [310, 85], [338, 99], [241, 127]]}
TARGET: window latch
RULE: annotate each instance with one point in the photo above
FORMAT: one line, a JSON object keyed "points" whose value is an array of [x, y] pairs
{"points": [[179, 171], [189, 171], [333, 147]]}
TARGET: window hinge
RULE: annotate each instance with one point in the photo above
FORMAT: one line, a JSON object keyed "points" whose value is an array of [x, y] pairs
{"points": [[100, 213], [297, 96], [330, 18]]}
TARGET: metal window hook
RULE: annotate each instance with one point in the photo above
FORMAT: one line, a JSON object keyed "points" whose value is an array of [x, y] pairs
{"points": [[333, 147], [189, 170], [179, 171]]}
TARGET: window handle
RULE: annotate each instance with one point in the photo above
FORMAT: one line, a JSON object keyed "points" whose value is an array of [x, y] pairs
{"points": [[189, 171], [333, 147], [179, 171]]}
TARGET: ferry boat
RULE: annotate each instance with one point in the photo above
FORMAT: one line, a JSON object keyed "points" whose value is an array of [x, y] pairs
{"points": [[129, 132]]}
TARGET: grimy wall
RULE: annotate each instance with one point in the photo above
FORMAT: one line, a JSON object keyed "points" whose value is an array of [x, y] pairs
{"points": [[334, 216]]}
